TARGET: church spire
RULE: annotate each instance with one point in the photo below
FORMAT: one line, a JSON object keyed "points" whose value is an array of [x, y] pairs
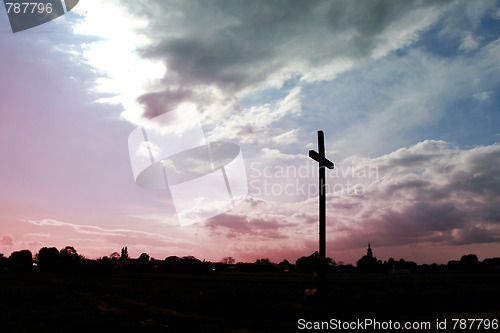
{"points": [[369, 252]]}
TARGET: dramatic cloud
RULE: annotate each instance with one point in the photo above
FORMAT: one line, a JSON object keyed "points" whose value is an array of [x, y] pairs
{"points": [[432, 193], [218, 54]]}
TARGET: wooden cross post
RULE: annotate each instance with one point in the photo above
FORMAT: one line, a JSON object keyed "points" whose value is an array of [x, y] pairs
{"points": [[323, 163]]}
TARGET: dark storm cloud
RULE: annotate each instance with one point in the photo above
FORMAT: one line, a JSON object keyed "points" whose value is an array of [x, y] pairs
{"points": [[262, 220], [422, 222], [232, 225], [450, 196], [474, 235], [236, 46], [157, 103], [230, 43], [432, 216], [431, 192]]}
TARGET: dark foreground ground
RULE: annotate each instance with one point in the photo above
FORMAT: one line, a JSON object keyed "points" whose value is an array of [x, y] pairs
{"points": [[233, 302]]}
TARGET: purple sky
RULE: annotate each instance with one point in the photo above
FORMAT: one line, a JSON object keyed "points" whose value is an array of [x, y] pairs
{"points": [[407, 94]]}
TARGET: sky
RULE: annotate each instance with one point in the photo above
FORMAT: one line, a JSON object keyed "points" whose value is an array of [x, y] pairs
{"points": [[406, 92]]}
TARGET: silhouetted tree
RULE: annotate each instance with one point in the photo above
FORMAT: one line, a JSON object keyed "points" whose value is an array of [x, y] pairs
{"points": [[124, 254], [105, 264], [68, 253], [492, 264], [404, 266], [470, 262], [143, 263], [48, 259], [186, 264], [21, 260], [369, 264], [331, 264], [263, 261], [114, 256], [264, 264], [454, 265], [286, 265], [189, 264], [3, 261], [307, 264], [425, 268], [170, 264], [469, 259], [390, 265], [117, 261], [70, 260], [228, 260], [311, 263], [225, 264]]}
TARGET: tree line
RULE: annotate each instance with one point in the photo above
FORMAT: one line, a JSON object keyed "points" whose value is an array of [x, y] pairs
{"points": [[50, 259]]}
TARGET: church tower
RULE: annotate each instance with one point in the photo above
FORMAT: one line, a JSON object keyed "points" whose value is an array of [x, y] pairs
{"points": [[369, 252]]}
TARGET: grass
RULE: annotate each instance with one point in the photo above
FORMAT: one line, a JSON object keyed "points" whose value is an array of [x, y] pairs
{"points": [[229, 301]]}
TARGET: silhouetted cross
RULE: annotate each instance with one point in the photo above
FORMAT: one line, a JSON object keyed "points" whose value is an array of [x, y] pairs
{"points": [[323, 163]]}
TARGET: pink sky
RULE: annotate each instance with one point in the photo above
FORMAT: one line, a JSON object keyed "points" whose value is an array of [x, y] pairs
{"points": [[386, 92]]}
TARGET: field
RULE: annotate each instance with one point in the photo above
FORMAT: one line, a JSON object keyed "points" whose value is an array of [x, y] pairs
{"points": [[232, 301]]}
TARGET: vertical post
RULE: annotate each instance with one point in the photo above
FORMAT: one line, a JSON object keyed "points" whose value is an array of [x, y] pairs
{"points": [[323, 164], [322, 288]]}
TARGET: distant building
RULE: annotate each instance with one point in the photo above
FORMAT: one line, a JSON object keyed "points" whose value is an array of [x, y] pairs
{"points": [[369, 252], [369, 263]]}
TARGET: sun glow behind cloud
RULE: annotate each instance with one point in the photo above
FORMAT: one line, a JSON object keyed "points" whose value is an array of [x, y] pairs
{"points": [[123, 74]]}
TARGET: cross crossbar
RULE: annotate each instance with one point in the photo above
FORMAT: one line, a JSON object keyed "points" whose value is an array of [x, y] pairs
{"points": [[323, 162]]}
